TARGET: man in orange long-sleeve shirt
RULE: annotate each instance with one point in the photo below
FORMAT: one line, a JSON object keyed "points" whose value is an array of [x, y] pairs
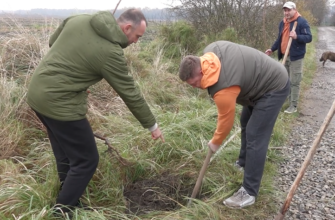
{"points": [[233, 74]]}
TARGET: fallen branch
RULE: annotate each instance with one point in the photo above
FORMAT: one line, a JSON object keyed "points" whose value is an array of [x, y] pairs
{"points": [[111, 150]]}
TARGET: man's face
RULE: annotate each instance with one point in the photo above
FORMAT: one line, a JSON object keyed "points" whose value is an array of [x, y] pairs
{"points": [[134, 33], [195, 81], [289, 13]]}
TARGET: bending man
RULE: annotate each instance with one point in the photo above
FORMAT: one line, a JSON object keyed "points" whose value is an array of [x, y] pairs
{"points": [[233, 74], [84, 50]]}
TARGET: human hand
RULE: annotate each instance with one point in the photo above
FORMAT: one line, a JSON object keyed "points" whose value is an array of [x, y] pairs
{"points": [[213, 147], [157, 134], [268, 52], [293, 34]]}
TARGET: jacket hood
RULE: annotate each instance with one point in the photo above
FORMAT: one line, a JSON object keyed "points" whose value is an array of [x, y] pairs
{"points": [[105, 25], [210, 66]]}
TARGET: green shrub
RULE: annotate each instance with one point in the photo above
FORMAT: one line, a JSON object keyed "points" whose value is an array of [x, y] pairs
{"points": [[179, 37]]}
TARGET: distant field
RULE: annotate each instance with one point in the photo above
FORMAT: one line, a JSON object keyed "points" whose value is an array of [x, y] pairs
{"points": [[11, 24]]}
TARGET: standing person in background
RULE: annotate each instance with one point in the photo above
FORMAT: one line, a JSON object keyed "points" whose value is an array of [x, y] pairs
{"points": [[294, 61], [84, 50], [239, 74]]}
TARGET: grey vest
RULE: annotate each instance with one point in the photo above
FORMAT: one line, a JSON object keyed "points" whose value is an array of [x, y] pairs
{"points": [[253, 71]]}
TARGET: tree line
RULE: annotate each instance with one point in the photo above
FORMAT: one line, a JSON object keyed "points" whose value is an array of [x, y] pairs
{"points": [[151, 14], [254, 21]]}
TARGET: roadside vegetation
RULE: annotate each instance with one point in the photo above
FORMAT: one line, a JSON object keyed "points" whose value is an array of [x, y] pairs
{"points": [[28, 176]]}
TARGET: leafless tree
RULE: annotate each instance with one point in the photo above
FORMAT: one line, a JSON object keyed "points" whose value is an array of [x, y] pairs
{"points": [[253, 20], [319, 10]]}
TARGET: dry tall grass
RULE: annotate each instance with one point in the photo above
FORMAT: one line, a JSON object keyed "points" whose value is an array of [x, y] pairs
{"points": [[21, 49]]}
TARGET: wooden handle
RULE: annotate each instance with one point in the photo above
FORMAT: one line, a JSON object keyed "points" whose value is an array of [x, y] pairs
{"points": [[307, 161], [289, 44], [201, 175]]}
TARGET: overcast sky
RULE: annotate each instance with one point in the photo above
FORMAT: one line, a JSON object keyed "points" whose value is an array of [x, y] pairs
{"points": [[80, 4]]}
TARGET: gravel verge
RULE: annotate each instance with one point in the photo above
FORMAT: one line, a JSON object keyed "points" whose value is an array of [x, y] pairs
{"points": [[315, 195]]}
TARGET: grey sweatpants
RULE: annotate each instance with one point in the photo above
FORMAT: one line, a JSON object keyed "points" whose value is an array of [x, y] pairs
{"points": [[257, 123]]}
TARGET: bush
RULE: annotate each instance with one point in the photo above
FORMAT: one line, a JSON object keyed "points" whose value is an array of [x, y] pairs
{"points": [[180, 38]]}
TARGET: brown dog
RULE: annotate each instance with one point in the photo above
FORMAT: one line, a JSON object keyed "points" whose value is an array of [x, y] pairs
{"points": [[327, 56]]}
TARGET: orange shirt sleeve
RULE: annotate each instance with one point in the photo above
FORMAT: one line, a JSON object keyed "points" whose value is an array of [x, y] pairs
{"points": [[225, 101]]}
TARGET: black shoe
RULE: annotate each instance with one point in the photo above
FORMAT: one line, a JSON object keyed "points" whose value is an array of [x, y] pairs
{"points": [[83, 206], [62, 212]]}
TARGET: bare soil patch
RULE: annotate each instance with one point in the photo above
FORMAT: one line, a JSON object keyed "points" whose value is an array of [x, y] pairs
{"points": [[163, 193]]}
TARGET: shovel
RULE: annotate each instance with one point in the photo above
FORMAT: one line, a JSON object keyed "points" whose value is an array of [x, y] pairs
{"points": [[307, 161], [289, 44], [201, 176], [208, 159]]}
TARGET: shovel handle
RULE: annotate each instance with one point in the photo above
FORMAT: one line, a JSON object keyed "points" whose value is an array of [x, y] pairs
{"points": [[201, 175], [289, 44], [307, 161]]}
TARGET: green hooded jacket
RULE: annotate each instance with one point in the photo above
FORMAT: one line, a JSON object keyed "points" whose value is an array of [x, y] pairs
{"points": [[84, 50]]}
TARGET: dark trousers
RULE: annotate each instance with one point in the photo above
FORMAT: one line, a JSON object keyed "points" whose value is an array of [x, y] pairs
{"points": [[257, 123], [76, 154]]}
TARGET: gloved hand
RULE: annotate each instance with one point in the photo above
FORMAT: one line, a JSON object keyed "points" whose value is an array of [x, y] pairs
{"points": [[213, 147]]}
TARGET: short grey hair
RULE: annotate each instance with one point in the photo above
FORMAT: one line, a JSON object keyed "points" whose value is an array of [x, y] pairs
{"points": [[188, 66], [133, 15]]}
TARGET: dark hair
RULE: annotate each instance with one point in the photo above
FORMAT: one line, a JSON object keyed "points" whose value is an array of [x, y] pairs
{"points": [[135, 16], [188, 66]]}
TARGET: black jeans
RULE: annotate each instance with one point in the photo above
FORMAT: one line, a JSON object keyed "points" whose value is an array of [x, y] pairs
{"points": [[257, 123], [76, 154]]}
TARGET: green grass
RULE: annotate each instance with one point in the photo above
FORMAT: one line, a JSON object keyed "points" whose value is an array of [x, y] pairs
{"points": [[310, 61], [28, 179]]}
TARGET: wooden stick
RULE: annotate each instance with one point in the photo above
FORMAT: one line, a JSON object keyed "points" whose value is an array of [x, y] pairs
{"points": [[289, 44], [208, 159], [111, 150], [227, 142], [116, 6], [307, 161], [201, 176]]}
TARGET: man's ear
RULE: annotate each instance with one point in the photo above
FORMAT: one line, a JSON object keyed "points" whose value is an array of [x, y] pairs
{"points": [[127, 28]]}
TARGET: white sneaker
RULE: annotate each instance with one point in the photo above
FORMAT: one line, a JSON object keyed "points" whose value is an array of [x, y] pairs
{"points": [[291, 109], [238, 166], [240, 199]]}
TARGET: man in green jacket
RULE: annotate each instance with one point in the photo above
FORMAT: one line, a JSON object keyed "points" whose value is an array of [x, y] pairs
{"points": [[84, 50]]}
